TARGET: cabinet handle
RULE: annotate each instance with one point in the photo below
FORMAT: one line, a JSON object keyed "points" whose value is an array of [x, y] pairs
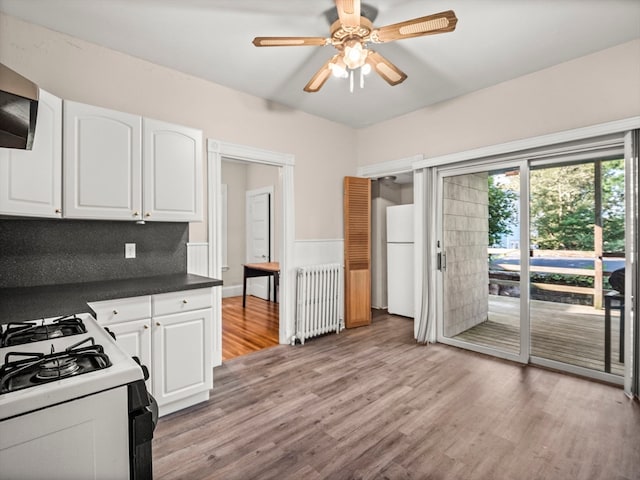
{"points": [[115, 312], [184, 301], [136, 214], [157, 324], [146, 326], [58, 210], [147, 215]]}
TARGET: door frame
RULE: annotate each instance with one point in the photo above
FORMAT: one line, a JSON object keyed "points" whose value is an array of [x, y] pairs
{"points": [[525, 162], [395, 167], [216, 151]]}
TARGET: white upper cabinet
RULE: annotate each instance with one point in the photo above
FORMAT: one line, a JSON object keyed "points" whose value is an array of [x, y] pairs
{"points": [[172, 172], [31, 180], [102, 163], [115, 171]]}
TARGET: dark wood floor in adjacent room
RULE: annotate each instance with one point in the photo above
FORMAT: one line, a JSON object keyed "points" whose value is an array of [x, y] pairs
{"points": [[249, 329], [371, 403]]}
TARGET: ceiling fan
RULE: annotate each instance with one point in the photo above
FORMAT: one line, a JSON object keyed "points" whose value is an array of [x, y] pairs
{"points": [[350, 35]]}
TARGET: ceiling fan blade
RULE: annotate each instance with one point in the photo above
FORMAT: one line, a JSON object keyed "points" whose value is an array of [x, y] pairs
{"points": [[387, 70], [349, 13], [431, 24], [320, 77], [289, 41]]}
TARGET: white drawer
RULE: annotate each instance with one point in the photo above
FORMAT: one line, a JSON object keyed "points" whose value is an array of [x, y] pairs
{"points": [[122, 309], [182, 301]]}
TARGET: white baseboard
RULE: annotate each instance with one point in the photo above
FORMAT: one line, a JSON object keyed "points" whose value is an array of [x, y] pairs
{"points": [[232, 291]]}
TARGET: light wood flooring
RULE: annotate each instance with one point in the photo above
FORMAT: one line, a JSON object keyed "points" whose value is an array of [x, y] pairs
{"points": [[370, 403], [571, 334], [246, 330]]}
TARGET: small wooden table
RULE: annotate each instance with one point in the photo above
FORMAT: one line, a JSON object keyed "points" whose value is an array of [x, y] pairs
{"points": [[266, 269], [609, 300]]}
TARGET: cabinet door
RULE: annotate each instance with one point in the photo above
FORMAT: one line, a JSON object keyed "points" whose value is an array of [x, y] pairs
{"points": [[172, 172], [102, 163], [134, 337], [182, 355], [31, 180]]}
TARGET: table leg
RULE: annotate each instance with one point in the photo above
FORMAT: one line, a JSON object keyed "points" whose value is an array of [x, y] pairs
{"points": [[244, 289], [607, 335], [621, 333]]}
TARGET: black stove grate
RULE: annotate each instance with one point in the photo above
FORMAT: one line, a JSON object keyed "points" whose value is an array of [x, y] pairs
{"points": [[19, 333], [23, 370]]}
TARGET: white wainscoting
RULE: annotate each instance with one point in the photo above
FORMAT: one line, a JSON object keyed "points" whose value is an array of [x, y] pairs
{"points": [[197, 259], [317, 252]]}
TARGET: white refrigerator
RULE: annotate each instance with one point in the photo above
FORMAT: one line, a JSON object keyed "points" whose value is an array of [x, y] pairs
{"points": [[400, 260]]}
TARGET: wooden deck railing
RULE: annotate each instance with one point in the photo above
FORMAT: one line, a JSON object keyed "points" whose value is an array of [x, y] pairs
{"points": [[599, 274]]}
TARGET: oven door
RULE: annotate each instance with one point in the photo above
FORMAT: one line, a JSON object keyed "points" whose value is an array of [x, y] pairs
{"points": [[82, 439], [143, 417]]}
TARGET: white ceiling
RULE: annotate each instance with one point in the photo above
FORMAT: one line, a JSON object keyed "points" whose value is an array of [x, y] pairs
{"points": [[495, 40]]}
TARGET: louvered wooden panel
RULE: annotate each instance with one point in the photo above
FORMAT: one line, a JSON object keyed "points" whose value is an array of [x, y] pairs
{"points": [[357, 251]]}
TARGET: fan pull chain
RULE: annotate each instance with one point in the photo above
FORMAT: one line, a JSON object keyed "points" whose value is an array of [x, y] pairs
{"points": [[350, 81]]}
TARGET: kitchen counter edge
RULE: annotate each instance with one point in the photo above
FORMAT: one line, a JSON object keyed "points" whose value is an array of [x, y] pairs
{"points": [[31, 303]]}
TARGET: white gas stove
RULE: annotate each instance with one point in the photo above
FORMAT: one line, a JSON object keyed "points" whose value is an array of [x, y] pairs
{"points": [[65, 381]]}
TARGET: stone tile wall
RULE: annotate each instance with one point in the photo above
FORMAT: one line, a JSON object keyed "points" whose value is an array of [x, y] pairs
{"points": [[466, 232]]}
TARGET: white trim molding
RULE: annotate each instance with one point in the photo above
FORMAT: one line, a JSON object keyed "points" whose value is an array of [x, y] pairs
{"points": [[593, 131], [389, 168], [216, 151]]}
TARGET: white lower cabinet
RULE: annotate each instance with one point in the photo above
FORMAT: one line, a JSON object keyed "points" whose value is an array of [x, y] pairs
{"points": [[182, 359], [172, 335], [135, 338]]}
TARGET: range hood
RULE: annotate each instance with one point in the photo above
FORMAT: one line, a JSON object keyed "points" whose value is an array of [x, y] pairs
{"points": [[18, 109]]}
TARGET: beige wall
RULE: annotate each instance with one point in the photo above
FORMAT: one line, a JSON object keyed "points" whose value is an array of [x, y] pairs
{"points": [[77, 70], [234, 175], [589, 90]]}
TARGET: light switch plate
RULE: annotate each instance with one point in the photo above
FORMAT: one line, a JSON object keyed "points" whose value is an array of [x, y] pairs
{"points": [[129, 250]]}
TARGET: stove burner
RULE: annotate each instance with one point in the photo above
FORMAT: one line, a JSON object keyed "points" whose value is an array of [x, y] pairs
{"points": [[57, 368], [24, 370], [19, 333]]}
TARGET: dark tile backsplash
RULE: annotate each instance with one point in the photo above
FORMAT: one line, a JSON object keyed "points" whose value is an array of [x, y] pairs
{"points": [[45, 252]]}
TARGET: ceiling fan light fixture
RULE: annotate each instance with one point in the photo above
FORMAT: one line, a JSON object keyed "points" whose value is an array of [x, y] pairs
{"points": [[338, 68], [351, 31], [354, 54]]}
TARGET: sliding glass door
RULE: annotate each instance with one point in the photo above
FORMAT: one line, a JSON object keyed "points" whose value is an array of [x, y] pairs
{"points": [[531, 255], [577, 218], [479, 251]]}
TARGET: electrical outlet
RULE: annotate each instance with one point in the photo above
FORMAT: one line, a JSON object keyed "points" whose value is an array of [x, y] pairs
{"points": [[129, 250]]}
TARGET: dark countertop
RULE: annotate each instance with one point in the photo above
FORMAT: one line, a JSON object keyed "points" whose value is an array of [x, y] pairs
{"points": [[30, 303]]}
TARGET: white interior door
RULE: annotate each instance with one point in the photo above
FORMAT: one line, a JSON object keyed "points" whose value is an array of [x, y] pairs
{"points": [[259, 237]]}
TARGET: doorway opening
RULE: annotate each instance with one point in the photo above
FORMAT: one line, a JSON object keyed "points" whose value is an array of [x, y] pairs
{"points": [[218, 248], [250, 317], [392, 238]]}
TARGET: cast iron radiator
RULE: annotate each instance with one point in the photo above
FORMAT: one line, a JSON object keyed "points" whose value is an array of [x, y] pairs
{"points": [[318, 296]]}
